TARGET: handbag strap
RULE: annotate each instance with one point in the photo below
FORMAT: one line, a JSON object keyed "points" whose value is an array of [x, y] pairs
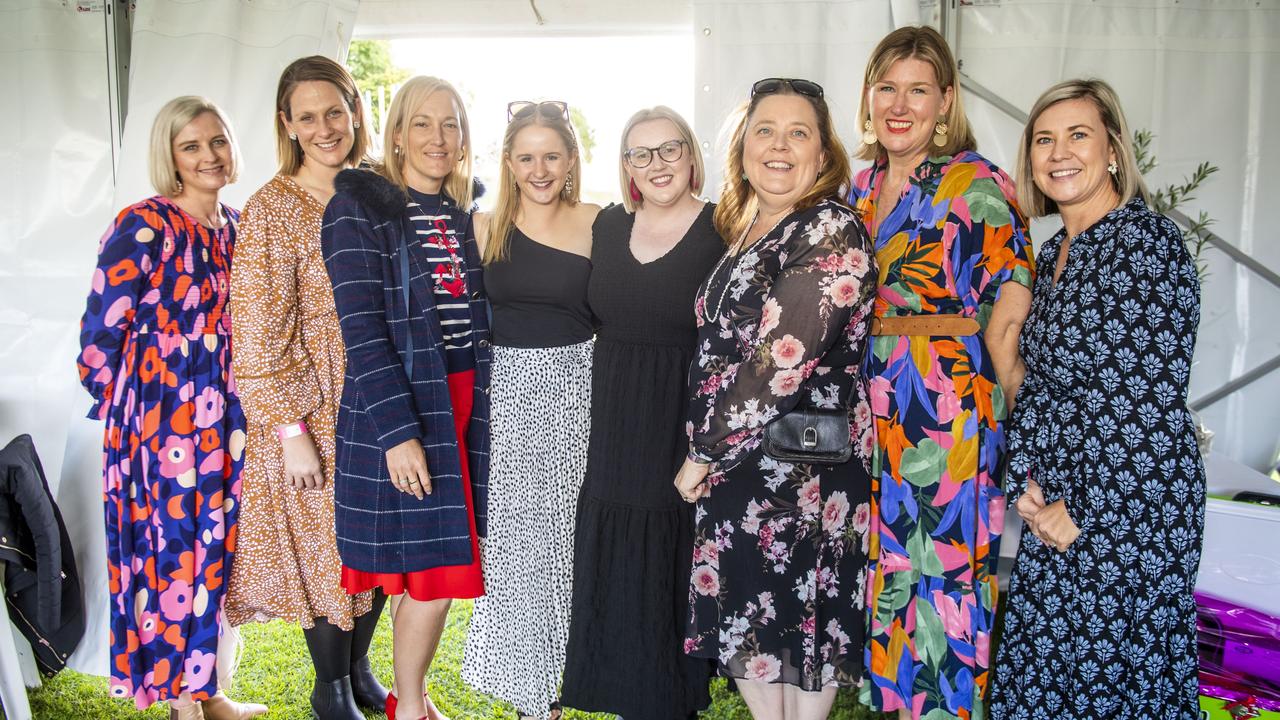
{"points": [[404, 291]]}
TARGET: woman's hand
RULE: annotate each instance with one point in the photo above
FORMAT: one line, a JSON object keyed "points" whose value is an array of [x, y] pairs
{"points": [[302, 465], [407, 465], [1031, 502], [691, 480], [1054, 526]]}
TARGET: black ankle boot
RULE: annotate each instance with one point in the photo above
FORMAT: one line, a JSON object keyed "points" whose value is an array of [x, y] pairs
{"points": [[368, 692], [333, 701]]}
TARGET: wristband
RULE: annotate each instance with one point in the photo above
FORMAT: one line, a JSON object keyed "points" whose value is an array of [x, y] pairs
{"points": [[284, 432]]}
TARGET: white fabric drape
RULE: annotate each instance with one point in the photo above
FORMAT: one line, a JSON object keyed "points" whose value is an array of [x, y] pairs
{"points": [[387, 19], [58, 195], [55, 198], [737, 43], [1203, 76], [231, 52]]}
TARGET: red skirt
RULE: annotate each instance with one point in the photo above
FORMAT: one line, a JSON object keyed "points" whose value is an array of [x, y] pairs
{"points": [[450, 581]]}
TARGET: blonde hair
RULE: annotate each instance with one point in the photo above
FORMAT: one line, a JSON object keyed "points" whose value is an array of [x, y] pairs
{"points": [[1127, 181], [925, 44], [175, 115], [738, 204], [316, 68], [458, 185], [660, 112], [503, 219]]}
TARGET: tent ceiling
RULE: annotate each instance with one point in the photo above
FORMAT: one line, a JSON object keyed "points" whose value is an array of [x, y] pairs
{"points": [[410, 18]]}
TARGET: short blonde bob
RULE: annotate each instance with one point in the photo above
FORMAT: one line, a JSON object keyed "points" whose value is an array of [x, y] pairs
{"points": [[659, 112], [174, 116], [738, 204], [458, 185], [1127, 180], [322, 69], [921, 43]]}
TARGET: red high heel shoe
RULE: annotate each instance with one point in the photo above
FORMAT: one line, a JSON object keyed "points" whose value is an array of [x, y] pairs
{"points": [[391, 707]]}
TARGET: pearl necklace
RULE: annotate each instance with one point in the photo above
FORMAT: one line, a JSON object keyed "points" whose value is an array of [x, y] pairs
{"points": [[711, 317]]}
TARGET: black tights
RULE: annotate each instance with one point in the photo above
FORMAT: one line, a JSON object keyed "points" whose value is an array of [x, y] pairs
{"points": [[333, 649]]}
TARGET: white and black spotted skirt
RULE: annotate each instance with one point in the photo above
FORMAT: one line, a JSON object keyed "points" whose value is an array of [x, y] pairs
{"points": [[540, 422]]}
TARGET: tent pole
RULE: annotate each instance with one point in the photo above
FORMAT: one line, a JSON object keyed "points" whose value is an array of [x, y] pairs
{"points": [[949, 22], [1231, 251]]}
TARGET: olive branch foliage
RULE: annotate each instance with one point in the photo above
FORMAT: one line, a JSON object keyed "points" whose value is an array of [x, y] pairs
{"points": [[1174, 195]]}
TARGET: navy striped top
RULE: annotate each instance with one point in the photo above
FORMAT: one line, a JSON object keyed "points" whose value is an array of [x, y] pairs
{"points": [[443, 254]]}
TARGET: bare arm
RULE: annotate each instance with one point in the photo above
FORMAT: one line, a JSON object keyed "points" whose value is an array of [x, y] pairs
{"points": [[1003, 328], [480, 224]]}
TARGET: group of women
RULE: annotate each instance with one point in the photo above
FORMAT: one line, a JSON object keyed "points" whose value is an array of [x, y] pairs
{"points": [[360, 388]]}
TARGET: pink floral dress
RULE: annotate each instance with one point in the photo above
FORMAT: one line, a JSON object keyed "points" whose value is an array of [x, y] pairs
{"points": [[779, 561], [156, 357]]}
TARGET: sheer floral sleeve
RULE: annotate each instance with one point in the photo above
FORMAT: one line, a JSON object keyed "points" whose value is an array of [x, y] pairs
{"points": [[790, 304]]}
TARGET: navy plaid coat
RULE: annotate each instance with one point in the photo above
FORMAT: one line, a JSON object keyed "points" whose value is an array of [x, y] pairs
{"points": [[380, 529]]}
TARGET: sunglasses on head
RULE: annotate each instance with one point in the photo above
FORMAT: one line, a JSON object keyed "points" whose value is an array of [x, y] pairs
{"points": [[546, 108], [769, 86]]}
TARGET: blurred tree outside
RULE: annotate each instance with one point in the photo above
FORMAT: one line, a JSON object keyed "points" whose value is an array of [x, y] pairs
{"points": [[376, 75], [586, 136]]}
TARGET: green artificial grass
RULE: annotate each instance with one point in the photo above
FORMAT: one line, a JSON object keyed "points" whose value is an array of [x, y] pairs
{"points": [[276, 670]]}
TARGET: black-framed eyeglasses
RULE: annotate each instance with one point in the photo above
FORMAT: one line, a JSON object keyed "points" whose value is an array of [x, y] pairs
{"points": [[769, 86], [640, 157], [546, 108]]}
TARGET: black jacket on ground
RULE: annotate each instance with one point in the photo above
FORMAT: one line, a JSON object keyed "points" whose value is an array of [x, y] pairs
{"points": [[41, 585]]}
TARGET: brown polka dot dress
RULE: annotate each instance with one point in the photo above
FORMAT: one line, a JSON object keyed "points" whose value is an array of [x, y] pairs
{"points": [[288, 358]]}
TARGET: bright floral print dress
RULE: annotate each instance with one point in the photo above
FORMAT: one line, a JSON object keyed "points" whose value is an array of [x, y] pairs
{"points": [[156, 357], [779, 560], [953, 238]]}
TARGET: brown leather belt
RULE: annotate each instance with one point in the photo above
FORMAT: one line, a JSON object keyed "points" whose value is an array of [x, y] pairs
{"points": [[925, 325]]}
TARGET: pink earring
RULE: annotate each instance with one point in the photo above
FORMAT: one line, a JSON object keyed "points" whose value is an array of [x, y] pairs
{"points": [[635, 192]]}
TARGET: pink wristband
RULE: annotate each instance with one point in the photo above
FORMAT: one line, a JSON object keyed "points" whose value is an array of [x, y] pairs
{"points": [[284, 432]]}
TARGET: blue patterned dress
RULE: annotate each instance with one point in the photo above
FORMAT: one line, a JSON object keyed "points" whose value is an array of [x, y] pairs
{"points": [[1108, 628], [156, 357]]}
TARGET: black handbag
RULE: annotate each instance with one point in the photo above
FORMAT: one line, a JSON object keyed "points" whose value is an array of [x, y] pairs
{"points": [[810, 435]]}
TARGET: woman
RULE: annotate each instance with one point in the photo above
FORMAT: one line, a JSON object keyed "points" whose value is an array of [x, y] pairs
{"points": [[1103, 464], [289, 365], [943, 368], [783, 319], [412, 438], [537, 245], [634, 537], [156, 357]]}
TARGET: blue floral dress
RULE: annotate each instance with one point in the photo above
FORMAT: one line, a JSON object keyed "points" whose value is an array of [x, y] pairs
{"points": [[156, 357], [1108, 628]]}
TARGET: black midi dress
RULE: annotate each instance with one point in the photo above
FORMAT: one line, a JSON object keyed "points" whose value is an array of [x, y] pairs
{"points": [[634, 535]]}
